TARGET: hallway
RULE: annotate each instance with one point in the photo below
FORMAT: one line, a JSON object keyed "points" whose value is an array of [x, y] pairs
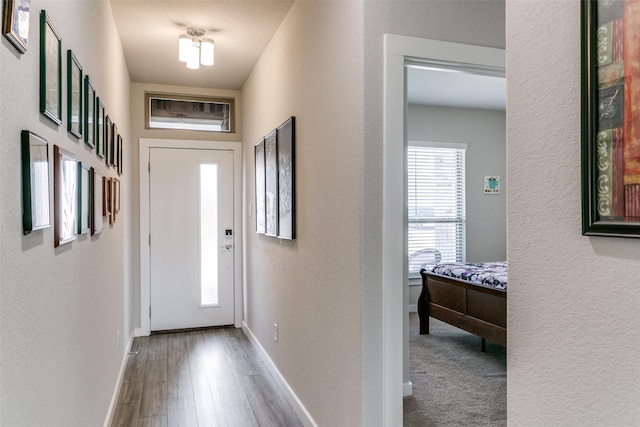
{"points": [[209, 377]]}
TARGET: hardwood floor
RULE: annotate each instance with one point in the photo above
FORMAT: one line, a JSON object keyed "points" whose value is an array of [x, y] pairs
{"points": [[209, 377]]}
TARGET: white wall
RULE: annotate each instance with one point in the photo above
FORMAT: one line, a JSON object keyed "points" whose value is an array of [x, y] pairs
{"points": [[60, 309], [471, 22], [484, 131], [312, 69], [573, 300]]}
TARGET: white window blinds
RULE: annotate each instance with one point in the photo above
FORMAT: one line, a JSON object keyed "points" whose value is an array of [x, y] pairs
{"points": [[436, 205]]}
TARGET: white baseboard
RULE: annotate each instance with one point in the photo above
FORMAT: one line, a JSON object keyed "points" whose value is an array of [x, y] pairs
{"points": [[291, 397], [407, 389], [139, 332], [116, 392], [413, 308]]}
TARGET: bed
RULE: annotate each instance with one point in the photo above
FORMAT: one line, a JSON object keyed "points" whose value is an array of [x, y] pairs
{"points": [[470, 296]]}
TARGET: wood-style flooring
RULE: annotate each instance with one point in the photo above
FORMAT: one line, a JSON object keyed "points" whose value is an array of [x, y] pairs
{"points": [[209, 377]]}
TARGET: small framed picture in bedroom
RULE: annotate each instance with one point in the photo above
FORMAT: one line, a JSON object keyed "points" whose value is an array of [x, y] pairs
{"points": [[492, 184], [610, 110]]}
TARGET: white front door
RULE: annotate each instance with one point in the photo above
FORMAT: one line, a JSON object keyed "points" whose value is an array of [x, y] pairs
{"points": [[191, 238]]}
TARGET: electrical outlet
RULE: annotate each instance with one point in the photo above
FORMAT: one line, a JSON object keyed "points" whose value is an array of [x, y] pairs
{"points": [[118, 340], [275, 332]]}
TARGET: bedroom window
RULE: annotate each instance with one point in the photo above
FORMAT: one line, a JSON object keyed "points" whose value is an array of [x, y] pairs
{"points": [[436, 204]]}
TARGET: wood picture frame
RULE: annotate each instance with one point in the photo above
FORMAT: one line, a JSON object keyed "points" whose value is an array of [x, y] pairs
{"points": [[36, 206], [65, 196], [260, 187], [271, 184], [610, 118], [50, 70], [96, 202], [106, 196], [75, 83], [84, 198], [112, 201], [15, 23], [100, 128], [90, 130], [286, 137]]}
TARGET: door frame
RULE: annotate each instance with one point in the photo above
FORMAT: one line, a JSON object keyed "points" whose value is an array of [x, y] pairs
{"points": [[397, 50], [145, 145]]}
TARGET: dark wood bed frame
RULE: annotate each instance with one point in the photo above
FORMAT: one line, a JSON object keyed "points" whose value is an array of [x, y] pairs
{"points": [[475, 308]]}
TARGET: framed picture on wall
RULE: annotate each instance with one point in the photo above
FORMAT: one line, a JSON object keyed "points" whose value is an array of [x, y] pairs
{"points": [[610, 118], [35, 183], [96, 202], [100, 128], [286, 179], [65, 196], [15, 23], [89, 113], [84, 198], [106, 196], [74, 95], [108, 134], [50, 70], [271, 184], [260, 187]]}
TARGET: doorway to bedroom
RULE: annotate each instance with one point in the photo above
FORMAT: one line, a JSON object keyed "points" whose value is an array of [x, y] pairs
{"points": [[434, 393], [456, 137]]}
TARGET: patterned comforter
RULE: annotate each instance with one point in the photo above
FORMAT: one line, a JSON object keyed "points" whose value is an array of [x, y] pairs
{"points": [[493, 274]]}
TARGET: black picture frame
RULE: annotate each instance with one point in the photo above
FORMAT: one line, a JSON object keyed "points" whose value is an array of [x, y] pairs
{"points": [[108, 135], [271, 184], [119, 156], [610, 112], [50, 70], [84, 198], [286, 135], [15, 23], [260, 187], [36, 205], [74, 95], [65, 196], [100, 128], [90, 113], [97, 200]]}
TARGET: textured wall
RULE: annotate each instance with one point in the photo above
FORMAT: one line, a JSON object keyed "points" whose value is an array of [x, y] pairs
{"points": [[312, 69], [473, 22], [484, 131], [61, 308], [573, 300]]}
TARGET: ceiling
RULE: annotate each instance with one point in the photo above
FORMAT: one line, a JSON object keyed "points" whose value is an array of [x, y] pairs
{"points": [[451, 88], [241, 29]]}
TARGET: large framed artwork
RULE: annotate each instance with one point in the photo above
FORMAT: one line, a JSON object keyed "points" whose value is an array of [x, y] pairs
{"points": [[74, 95], [35, 182], [15, 24], [260, 188], [271, 184], [65, 196], [611, 118], [50, 70], [286, 179]]}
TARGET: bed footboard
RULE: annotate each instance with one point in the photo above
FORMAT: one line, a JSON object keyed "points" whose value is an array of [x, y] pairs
{"points": [[476, 309]]}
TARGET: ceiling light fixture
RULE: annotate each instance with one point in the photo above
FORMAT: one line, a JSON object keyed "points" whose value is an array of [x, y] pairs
{"points": [[195, 50]]}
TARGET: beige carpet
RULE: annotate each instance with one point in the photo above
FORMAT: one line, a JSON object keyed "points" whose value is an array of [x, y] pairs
{"points": [[454, 383]]}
